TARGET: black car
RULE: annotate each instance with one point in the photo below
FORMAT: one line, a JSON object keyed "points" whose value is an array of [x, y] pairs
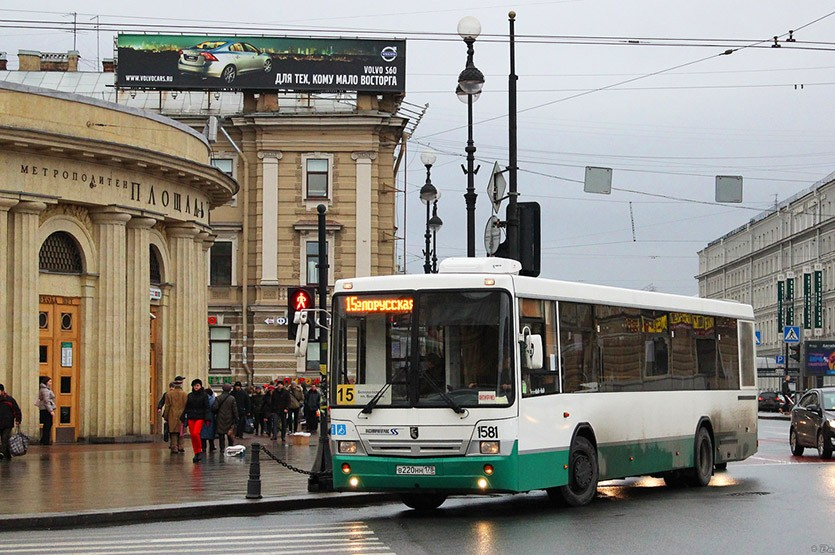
{"points": [[769, 401], [813, 422]]}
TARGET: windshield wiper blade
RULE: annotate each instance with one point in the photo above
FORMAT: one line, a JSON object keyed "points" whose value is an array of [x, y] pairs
{"points": [[369, 406], [440, 391]]}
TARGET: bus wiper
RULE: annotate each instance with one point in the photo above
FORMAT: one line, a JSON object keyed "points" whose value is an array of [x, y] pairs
{"points": [[369, 406], [440, 391]]}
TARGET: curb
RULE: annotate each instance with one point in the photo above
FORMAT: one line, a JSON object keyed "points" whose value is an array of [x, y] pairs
{"points": [[773, 416], [203, 509]]}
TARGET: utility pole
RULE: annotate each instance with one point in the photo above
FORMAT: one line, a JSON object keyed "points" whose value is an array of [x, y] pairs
{"points": [[512, 208]]}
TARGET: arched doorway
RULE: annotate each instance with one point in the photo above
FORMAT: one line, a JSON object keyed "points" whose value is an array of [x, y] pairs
{"points": [[59, 325], [156, 387]]}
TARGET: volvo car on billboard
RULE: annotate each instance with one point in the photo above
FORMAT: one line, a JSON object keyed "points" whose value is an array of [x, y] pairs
{"points": [[211, 62]]}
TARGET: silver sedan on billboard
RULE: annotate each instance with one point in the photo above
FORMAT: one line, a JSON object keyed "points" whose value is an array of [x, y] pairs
{"points": [[224, 60]]}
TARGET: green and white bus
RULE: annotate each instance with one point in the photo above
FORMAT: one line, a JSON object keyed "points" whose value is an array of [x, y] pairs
{"points": [[478, 380]]}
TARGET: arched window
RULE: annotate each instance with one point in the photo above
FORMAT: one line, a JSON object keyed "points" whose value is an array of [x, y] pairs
{"points": [[60, 255], [156, 276]]}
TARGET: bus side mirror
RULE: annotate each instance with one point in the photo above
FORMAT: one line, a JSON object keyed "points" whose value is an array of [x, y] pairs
{"points": [[302, 334], [533, 349]]}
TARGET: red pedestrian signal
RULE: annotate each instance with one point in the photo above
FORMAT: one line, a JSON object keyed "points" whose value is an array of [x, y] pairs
{"points": [[298, 299]]}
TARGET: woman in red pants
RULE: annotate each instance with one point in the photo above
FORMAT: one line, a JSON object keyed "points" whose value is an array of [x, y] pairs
{"points": [[196, 414]]}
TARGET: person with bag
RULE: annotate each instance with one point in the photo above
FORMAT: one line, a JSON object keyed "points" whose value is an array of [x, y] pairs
{"points": [[196, 415], [226, 416], [208, 433], [46, 404], [279, 405], [172, 410], [244, 408], [311, 408], [10, 416], [296, 401]]}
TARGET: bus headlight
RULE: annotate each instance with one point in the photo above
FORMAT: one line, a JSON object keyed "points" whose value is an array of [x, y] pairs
{"points": [[489, 448], [347, 447]]}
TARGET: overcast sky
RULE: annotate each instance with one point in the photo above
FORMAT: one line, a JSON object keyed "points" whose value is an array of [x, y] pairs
{"points": [[673, 113]]}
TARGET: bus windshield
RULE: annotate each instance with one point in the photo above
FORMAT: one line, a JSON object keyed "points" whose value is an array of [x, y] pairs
{"points": [[448, 349]]}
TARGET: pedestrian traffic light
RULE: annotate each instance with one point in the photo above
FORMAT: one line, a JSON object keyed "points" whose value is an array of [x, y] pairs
{"points": [[298, 299], [794, 352]]}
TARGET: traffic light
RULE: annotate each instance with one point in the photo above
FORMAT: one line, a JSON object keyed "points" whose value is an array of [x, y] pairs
{"points": [[794, 352], [529, 238], [298, 299]]}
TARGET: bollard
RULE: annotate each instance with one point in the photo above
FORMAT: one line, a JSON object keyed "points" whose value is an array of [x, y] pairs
{"points": [[253, 485]]}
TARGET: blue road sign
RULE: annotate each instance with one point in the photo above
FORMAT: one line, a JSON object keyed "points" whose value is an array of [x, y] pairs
{"points": [[759, 337], [791, 334], [780, 359]]}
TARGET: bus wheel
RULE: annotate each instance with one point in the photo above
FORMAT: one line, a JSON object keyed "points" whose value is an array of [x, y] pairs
{"points": [[582, 475], [422, 501], [702, 470]]}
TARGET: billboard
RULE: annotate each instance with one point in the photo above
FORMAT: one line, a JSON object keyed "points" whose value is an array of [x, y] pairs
{"points": [[820, 358], [213, 62]]}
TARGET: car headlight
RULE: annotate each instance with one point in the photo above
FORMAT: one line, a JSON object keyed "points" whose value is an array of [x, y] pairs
{"points": [[347, 447], [831, 422]]}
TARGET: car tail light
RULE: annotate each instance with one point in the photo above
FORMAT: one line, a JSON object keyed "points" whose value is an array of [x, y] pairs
{"points": [[209, 56], [180, 52], [759, 398]]}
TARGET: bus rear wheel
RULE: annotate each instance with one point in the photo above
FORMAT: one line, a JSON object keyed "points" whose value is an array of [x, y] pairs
{"points": [[583, 475], [422, 501], [702, 471]]}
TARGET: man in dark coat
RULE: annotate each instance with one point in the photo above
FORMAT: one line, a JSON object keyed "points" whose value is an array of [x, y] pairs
{"points": [[10, 416], [226, 415], [280, 404], [312, 400], [244, 408]]}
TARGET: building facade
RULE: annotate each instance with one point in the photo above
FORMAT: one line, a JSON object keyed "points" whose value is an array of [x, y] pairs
{"points": [[745, 265], [104, 242], [289, 152]]}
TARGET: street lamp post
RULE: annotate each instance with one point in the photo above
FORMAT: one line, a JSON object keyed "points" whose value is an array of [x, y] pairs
{"points": [[470, 83], [428, 196], [435, 223]]}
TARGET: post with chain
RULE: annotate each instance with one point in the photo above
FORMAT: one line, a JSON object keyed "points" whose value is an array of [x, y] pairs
{"points": [[253, 485]]}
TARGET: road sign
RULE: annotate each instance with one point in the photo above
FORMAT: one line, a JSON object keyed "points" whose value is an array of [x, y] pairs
{"points": [[759, 337], [780, 359], [791, 334], [496, 187]]}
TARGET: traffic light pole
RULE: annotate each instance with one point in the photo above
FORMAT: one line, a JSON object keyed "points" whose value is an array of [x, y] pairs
{"points": [[322, 477]]}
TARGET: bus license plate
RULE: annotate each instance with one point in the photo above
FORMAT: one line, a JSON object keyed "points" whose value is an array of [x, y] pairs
{"points": [[412, 470]]}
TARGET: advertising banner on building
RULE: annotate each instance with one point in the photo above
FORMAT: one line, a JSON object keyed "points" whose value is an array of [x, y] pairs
{"points": [[820, 358], [212, 62]]}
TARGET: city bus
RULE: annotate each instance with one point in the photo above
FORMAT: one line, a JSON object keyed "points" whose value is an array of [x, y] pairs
{"points": [[477, 380]]}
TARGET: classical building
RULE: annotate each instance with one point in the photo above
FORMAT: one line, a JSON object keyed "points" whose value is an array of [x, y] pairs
{"points": [[795, 237], [290, 152], [104, 242]]}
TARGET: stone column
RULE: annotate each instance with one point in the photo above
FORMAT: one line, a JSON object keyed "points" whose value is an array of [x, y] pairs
{"points": [[138, 347], [5, 339], [363, 210], [204, 240], [269, 217], [180, 323], [110, 382], [24, 247]]}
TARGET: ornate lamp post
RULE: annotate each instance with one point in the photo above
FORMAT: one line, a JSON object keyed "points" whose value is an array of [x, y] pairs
{"points": [[470, 83], [428, 196]]}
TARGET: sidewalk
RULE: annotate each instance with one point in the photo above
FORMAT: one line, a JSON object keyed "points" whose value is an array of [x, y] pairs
{"points": [[84, 484]]}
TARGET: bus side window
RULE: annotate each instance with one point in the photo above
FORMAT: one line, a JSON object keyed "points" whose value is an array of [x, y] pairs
{"points": [[540, 317]]}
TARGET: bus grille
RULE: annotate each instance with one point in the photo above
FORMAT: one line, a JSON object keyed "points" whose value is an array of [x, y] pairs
{"points": [[437, 448]]}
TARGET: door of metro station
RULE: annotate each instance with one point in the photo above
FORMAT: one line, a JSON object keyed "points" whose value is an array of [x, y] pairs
{"points": [[59, 353]]}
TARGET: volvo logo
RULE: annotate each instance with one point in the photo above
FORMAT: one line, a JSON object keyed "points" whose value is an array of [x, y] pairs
{"points": [[413, 431], [389, 53]]}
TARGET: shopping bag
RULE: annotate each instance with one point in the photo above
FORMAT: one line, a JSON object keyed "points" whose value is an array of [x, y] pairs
{"points": [[249, 425], [18, 443]]}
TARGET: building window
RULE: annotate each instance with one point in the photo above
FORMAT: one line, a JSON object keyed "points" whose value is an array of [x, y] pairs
{"points": [[220, 264], [227, 166], [156, 274], [312, 261], [60, 255], [220, 347], [317, 177]]}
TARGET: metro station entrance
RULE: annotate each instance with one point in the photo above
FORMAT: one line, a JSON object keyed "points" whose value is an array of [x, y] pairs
{"points": [[59, 352]]}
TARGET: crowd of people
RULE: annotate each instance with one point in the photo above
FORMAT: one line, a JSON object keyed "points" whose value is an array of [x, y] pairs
{"points": [[276, 408]]}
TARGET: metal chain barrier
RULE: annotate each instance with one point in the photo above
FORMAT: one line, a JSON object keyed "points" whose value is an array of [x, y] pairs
{"points": [[287, 465]]}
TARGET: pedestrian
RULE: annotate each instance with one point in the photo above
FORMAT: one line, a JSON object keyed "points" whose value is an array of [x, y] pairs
{"points": [[207, 434], [172, 411], [244, 408], [257, 402], [296, 401], [279, 403], [10, 416], [787, 392], [226, 415], [46, 405], [196, 415], [311, 408]]}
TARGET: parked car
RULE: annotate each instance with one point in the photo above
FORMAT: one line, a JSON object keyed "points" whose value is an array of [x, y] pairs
{"points": [[813, 422], [769, 401], [224, 60]]}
